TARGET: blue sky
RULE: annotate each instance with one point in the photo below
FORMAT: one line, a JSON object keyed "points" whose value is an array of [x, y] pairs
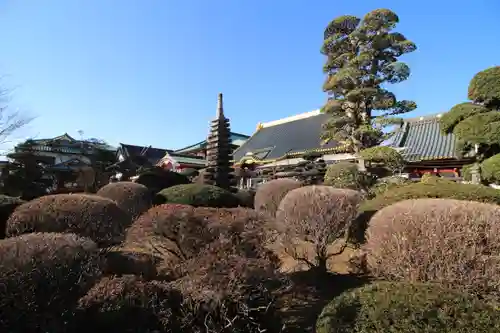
{"points": [[148, 72]]}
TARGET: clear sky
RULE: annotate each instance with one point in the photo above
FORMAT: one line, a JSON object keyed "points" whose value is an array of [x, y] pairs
{"points": [[147, 72]]}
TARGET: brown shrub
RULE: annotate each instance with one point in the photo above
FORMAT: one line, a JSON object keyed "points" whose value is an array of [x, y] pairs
{"points": [[42, 276], [270, 194], [455, 243], [319, 215], [233, 279], [129, 304], [133, 198], [122, 262], [91, 216]]}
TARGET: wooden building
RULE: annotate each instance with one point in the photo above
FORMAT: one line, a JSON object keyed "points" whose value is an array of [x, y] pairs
{"points": [[281, 143]]}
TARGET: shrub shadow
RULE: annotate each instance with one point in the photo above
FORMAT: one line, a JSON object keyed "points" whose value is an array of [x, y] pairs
{"points": [[308, 295]]}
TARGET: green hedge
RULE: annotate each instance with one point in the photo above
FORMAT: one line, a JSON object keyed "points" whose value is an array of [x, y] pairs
{"points": [[197, 195], [407, 308], [433, 190]]}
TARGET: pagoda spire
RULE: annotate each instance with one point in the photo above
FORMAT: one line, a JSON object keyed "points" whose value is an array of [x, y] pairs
{"points": [[220, 107]]}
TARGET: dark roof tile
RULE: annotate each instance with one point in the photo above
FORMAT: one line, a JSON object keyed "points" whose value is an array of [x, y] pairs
{"points": [[152, 154], [288, 137]]}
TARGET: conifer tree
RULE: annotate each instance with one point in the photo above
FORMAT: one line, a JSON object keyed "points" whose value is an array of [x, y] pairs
{"points": [[362, 59]]}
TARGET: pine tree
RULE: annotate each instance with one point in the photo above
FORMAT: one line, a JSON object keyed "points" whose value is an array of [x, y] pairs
{"points": [[219, 171], [362, 58]]}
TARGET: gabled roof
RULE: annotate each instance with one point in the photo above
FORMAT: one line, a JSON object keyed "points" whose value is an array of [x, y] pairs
{"points": [[152, 154], [296, 134], [187, 159], [235, 137], [421, 139]]}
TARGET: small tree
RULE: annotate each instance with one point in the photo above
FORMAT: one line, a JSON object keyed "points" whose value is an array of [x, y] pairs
{"points": [[387, 156], [362, 58], [318, 215]]}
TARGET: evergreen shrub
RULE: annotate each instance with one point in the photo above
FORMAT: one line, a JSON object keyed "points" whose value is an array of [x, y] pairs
{"points": [[345, 175], [42, 276], [452, 242], [270, 194], [399, 307], [246, 198], [198, 195], [157, 179], [387, 183], [490, 169], [133, 198], [91, 216]]}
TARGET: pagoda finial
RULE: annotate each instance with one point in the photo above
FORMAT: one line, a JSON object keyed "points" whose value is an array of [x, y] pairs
{"points": [[220, 107]]}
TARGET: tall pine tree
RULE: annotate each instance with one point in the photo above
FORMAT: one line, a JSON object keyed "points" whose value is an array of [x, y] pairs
{"points": [[362, 58]]}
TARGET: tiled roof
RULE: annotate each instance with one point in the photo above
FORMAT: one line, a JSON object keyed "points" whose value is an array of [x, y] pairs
{"points": [[277, 138], [152, 154], [235, 137], [421, 139]]}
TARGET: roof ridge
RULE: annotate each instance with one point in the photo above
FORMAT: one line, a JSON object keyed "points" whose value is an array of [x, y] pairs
{"points": [[299, 116]]}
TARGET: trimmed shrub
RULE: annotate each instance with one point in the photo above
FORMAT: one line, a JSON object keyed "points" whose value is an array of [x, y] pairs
{"points": [[270, 194], [345, 175], [122, 262], [198, 195], [133, 198], [453, 242], [490, 169], [451, 190], [428, 178], [416, 308], [246, 198], [466, 172], [7, 206], [386, 183], [157, 179], [129, 304], [387, 156], [484, 86], [91, 216], [42, 276], [319, 215]]}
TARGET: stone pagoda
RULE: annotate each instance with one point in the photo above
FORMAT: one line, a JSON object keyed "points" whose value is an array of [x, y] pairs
{"points": [[219, 171]]}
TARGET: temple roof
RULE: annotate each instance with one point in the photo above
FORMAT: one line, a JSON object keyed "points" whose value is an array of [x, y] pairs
{"points": [[236, 139], [152, 154], [290, 135], [421, 139]]}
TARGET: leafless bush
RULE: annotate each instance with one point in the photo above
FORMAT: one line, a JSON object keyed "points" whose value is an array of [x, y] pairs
{"points": [[319, 215], [453, 242], [133, 198], [270, 194]]}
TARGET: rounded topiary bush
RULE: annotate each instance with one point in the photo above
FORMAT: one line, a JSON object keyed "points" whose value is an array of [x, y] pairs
{"points": [[450, 190], [129, 304], [157, 179], [453, 242], [416, 308], [42, 276], [7, 206], [246, 198], [345, 175], [121, 262], [133, 198], [198, 195], [318, 215], [270, 194], [91, 216], [490, 169], [485, 86]]}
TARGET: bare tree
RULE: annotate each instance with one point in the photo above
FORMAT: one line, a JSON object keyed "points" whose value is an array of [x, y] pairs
{"points": [[10, 121]]}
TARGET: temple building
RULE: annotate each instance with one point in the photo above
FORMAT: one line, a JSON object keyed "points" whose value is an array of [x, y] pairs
{"points": [[281, 143], [200, 148]]}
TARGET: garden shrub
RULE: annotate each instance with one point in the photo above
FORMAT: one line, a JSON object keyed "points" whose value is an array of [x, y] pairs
{"points": [[157, 179], [399, 307], [386, 183], [42, 276], [490, 169], [91, 216], [270, 194], [133, 198], [7, 206], [428, 178], [452, 190], [198, 195], [453, 242], [246, 198], [129, 304], [345, 175], [484, 86], [121, 262], [319, 215], [466, 172], [387, 156]]}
